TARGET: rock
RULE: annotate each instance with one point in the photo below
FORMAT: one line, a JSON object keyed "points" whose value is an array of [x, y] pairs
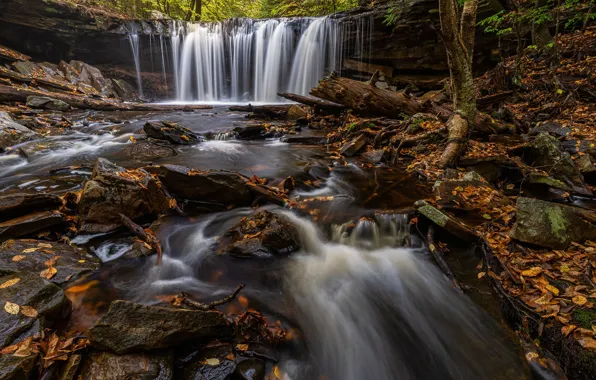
{"points": [[129, 327], [71, 367], [251, 132], [47, 103], [70, 262], [553, 129], [19, 204], [552, 225], [124, 90], [351, 148], [16, 368], [30, 224], [305, 140], [12, 133], [374, 156], [585, 165], [171, 132], [296, 112], [544, 152], [545, 180], [26, 68], [113, 190], [145, 151], [263, 234], [220, 367], [250, 369], [218, 186], [415, 122], [141, 366], [92, 76], [36, 299], [444, 221]]}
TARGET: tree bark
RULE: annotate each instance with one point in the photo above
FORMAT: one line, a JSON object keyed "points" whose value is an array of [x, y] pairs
{"points": [[313, 102], [198, 9], [190, 10]]}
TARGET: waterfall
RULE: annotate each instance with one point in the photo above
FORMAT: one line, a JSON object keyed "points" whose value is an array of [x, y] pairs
{"points": [[133, 38]]}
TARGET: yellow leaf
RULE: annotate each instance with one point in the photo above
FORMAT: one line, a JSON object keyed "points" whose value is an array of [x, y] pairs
{"points": [[11, 308], [544, 300], [10, 282], [566, 330], [48, 273], [28, 311], [579, 300], [481, 274], [18, 258], [44, 245], [29, 250], [211, 361], [81, 261], [587, 342], [532, 272], [242, 347], [552, 289], [277, 372]]}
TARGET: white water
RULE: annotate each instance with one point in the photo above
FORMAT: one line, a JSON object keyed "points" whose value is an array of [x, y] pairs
{"points": [[133, 38]]}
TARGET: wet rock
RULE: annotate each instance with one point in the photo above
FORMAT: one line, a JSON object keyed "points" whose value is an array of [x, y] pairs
{"points": [[145, 151], [30, 255], [26, 68], [12, 133], [16, 368], [19, 204], [92, 76], [47, 103], [250, 369], [218, 186], [351, 148], [251, 132], [544, 152], [27, 298], [552, 225], [304, 140], [113, 190], [31, 223], [296, 112], [444, 221], [71, 367], [263, 234], [211, 363], [172, 132], [553, 129], [129, 327], [142, 366], [375, 156], [123, 89], [545, 180]]}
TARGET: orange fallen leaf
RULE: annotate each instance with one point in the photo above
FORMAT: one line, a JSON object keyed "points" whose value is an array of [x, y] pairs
{"points": [[28, 311], [9, 283], [566, 330], [48, 273], [18, 258], [579, 300], [532, 272]]}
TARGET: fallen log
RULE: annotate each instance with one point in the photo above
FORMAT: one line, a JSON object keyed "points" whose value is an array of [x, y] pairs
{"points": [[273, 112], [15, 94], [144, 234], [320, 104], [184, 298]]}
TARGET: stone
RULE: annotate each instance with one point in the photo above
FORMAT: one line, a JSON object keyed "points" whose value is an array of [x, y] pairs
{"points": [[12, 133], [144, 151], [221, 369], [31, 223], [446, 222], [171, 132], [92, 76], [552, 225], [545, 180], [112, 190], [123, 89], [16, 368], [304, 140], [471, 194], [353, 147], [47, 103], [18, 204], [250, 369], [262, 235], [414, 123], [552, 128], [251, 132], [544, 152], [217, 186], [139, 366], [45, 301], [71, 367], [296, 112], [27, 68], [374, 156], [130, 327], [28, 255]]}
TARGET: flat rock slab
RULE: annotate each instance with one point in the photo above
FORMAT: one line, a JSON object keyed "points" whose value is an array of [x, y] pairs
{"points": [[144, 151], [14, 367], [217, 186], [47, 103], [15, 205], [31, 224], [351, 148], [141, 366], [552, 225], [171, 132], [446, 222], [12, 133], [25, 298], [34, 255], [130, 327]]}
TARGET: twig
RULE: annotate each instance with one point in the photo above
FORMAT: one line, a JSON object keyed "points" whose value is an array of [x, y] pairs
{"points": [[144, 234], [210, 306], [254, 354], [438, 256]]}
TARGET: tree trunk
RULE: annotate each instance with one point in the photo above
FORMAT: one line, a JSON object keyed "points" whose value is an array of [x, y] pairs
{"points": [[320, 104], [540, 33], [198, 9], [458, 36], [190, 9]]}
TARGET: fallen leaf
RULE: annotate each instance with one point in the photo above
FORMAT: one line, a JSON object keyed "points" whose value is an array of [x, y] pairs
{"points": [[553, 290], [544, 300], [211, 361], [44, 245], [242, 347], [11, 308], [566, 330], [18, 258], [481, 274], [48, 273], [587, 342], [9, 283], [28, 311], [29, 250], [579, 300], [25, 348], [532, 272]]}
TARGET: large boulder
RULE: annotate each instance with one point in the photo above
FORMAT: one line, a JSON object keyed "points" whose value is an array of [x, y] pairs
{"points": [[28, 255], [130, 327], [47, 103], [141, 366], [171, 132], [218, 186], [92, 76], [552, 225], [145, 151], [113, 190], [18, 204], [123, 89], [351, 148], [263, 234], [12, 133], [545, 153], [29, 304], [30, 224]]}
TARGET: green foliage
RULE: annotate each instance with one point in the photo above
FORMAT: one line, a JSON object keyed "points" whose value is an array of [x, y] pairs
{"points": [[395, 11]]}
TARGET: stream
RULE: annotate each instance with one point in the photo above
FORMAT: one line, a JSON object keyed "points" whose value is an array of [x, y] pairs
{"points": [[363, 293]]}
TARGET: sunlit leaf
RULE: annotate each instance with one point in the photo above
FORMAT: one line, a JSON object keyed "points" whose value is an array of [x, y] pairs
{"points": [[579, 300], [18, 258], [9, 283], [48, 273], [532, 272], [11, 308], [28, 311]]}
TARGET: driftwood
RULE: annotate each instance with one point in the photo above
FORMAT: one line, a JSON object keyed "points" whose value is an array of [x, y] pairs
{"points": [[273, 112], [184, 299], [14, 94], [263, 191], [320, 104], [144, 234]]}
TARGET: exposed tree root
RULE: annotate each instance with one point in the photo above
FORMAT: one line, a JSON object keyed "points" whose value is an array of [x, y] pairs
{"points": [[184, 299], [457, 128]]}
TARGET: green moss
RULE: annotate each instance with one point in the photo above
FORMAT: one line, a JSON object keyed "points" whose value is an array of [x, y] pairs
{"points": [[584, 318], [548, 181], [557, 221]]}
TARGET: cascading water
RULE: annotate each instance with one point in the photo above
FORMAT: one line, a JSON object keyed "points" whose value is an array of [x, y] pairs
{"points": [[133, 38]]}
